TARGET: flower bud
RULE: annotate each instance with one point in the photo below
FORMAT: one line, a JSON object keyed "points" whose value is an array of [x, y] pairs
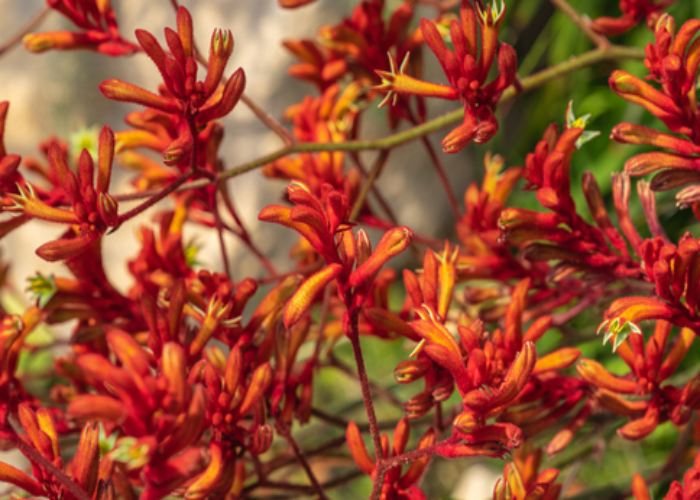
{"points": [[259, 383], [307, 292], [358, 449], [109, 209], [392, 243], [126, 92], [262, 439], [9, 474], [411, 370]]}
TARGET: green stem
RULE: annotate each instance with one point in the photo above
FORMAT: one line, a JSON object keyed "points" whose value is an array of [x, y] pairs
{"points": [[611, 53]]}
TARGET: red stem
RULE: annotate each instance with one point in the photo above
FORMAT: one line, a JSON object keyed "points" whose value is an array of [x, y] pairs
{"points": [[299, 454], [220, 232], [155, 198], [243, 235], [442, 175], [354, 335]]}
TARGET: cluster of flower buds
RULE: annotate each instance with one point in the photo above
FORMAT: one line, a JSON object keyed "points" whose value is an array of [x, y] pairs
{"points": [[492, 374], [672, 61], [88, 472], [435, 289], [190, 103], [633, 13], [357, 47], [674, 273], [650, 366], [14, 330], [94, 209], [396, 485], [350, 260], [476, 45], [595, 250], [98, 25]]}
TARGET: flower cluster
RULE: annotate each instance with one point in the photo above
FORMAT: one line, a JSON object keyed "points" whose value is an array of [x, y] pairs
{"points": [[191, 382], [476, 46], [633, 13], [98, 25], [672, 61]]}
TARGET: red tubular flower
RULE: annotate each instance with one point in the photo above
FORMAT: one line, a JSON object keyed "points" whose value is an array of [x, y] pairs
{"points": [[94, 209], [633, 13], [673, 62], [497, 375], [96, 19], [467, 69], [687, 491], [329, 118], [350, 261], [194, 103], [674, 272], [358, 46], [578, 246], [651, 365]]}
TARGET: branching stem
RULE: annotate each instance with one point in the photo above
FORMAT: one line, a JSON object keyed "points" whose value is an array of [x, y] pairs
{"points": [[611, 53]]}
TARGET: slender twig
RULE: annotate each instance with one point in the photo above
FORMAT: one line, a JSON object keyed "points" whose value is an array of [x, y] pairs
{"points": [[529, 83], [302, 489], [17, 37], [442, 175], [328, 418], [581, 23], [299, 454], [382, 392], [375, 190], [220, 234], [284, 461], [676, 456], [159, 195], [364, 190], [268, 120], [412, 456], [243, 235]]}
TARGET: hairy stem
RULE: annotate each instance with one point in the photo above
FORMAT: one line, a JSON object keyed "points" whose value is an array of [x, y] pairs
{"points": [[442, 175], [299, 454], [268, 120], [354, 335]]}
